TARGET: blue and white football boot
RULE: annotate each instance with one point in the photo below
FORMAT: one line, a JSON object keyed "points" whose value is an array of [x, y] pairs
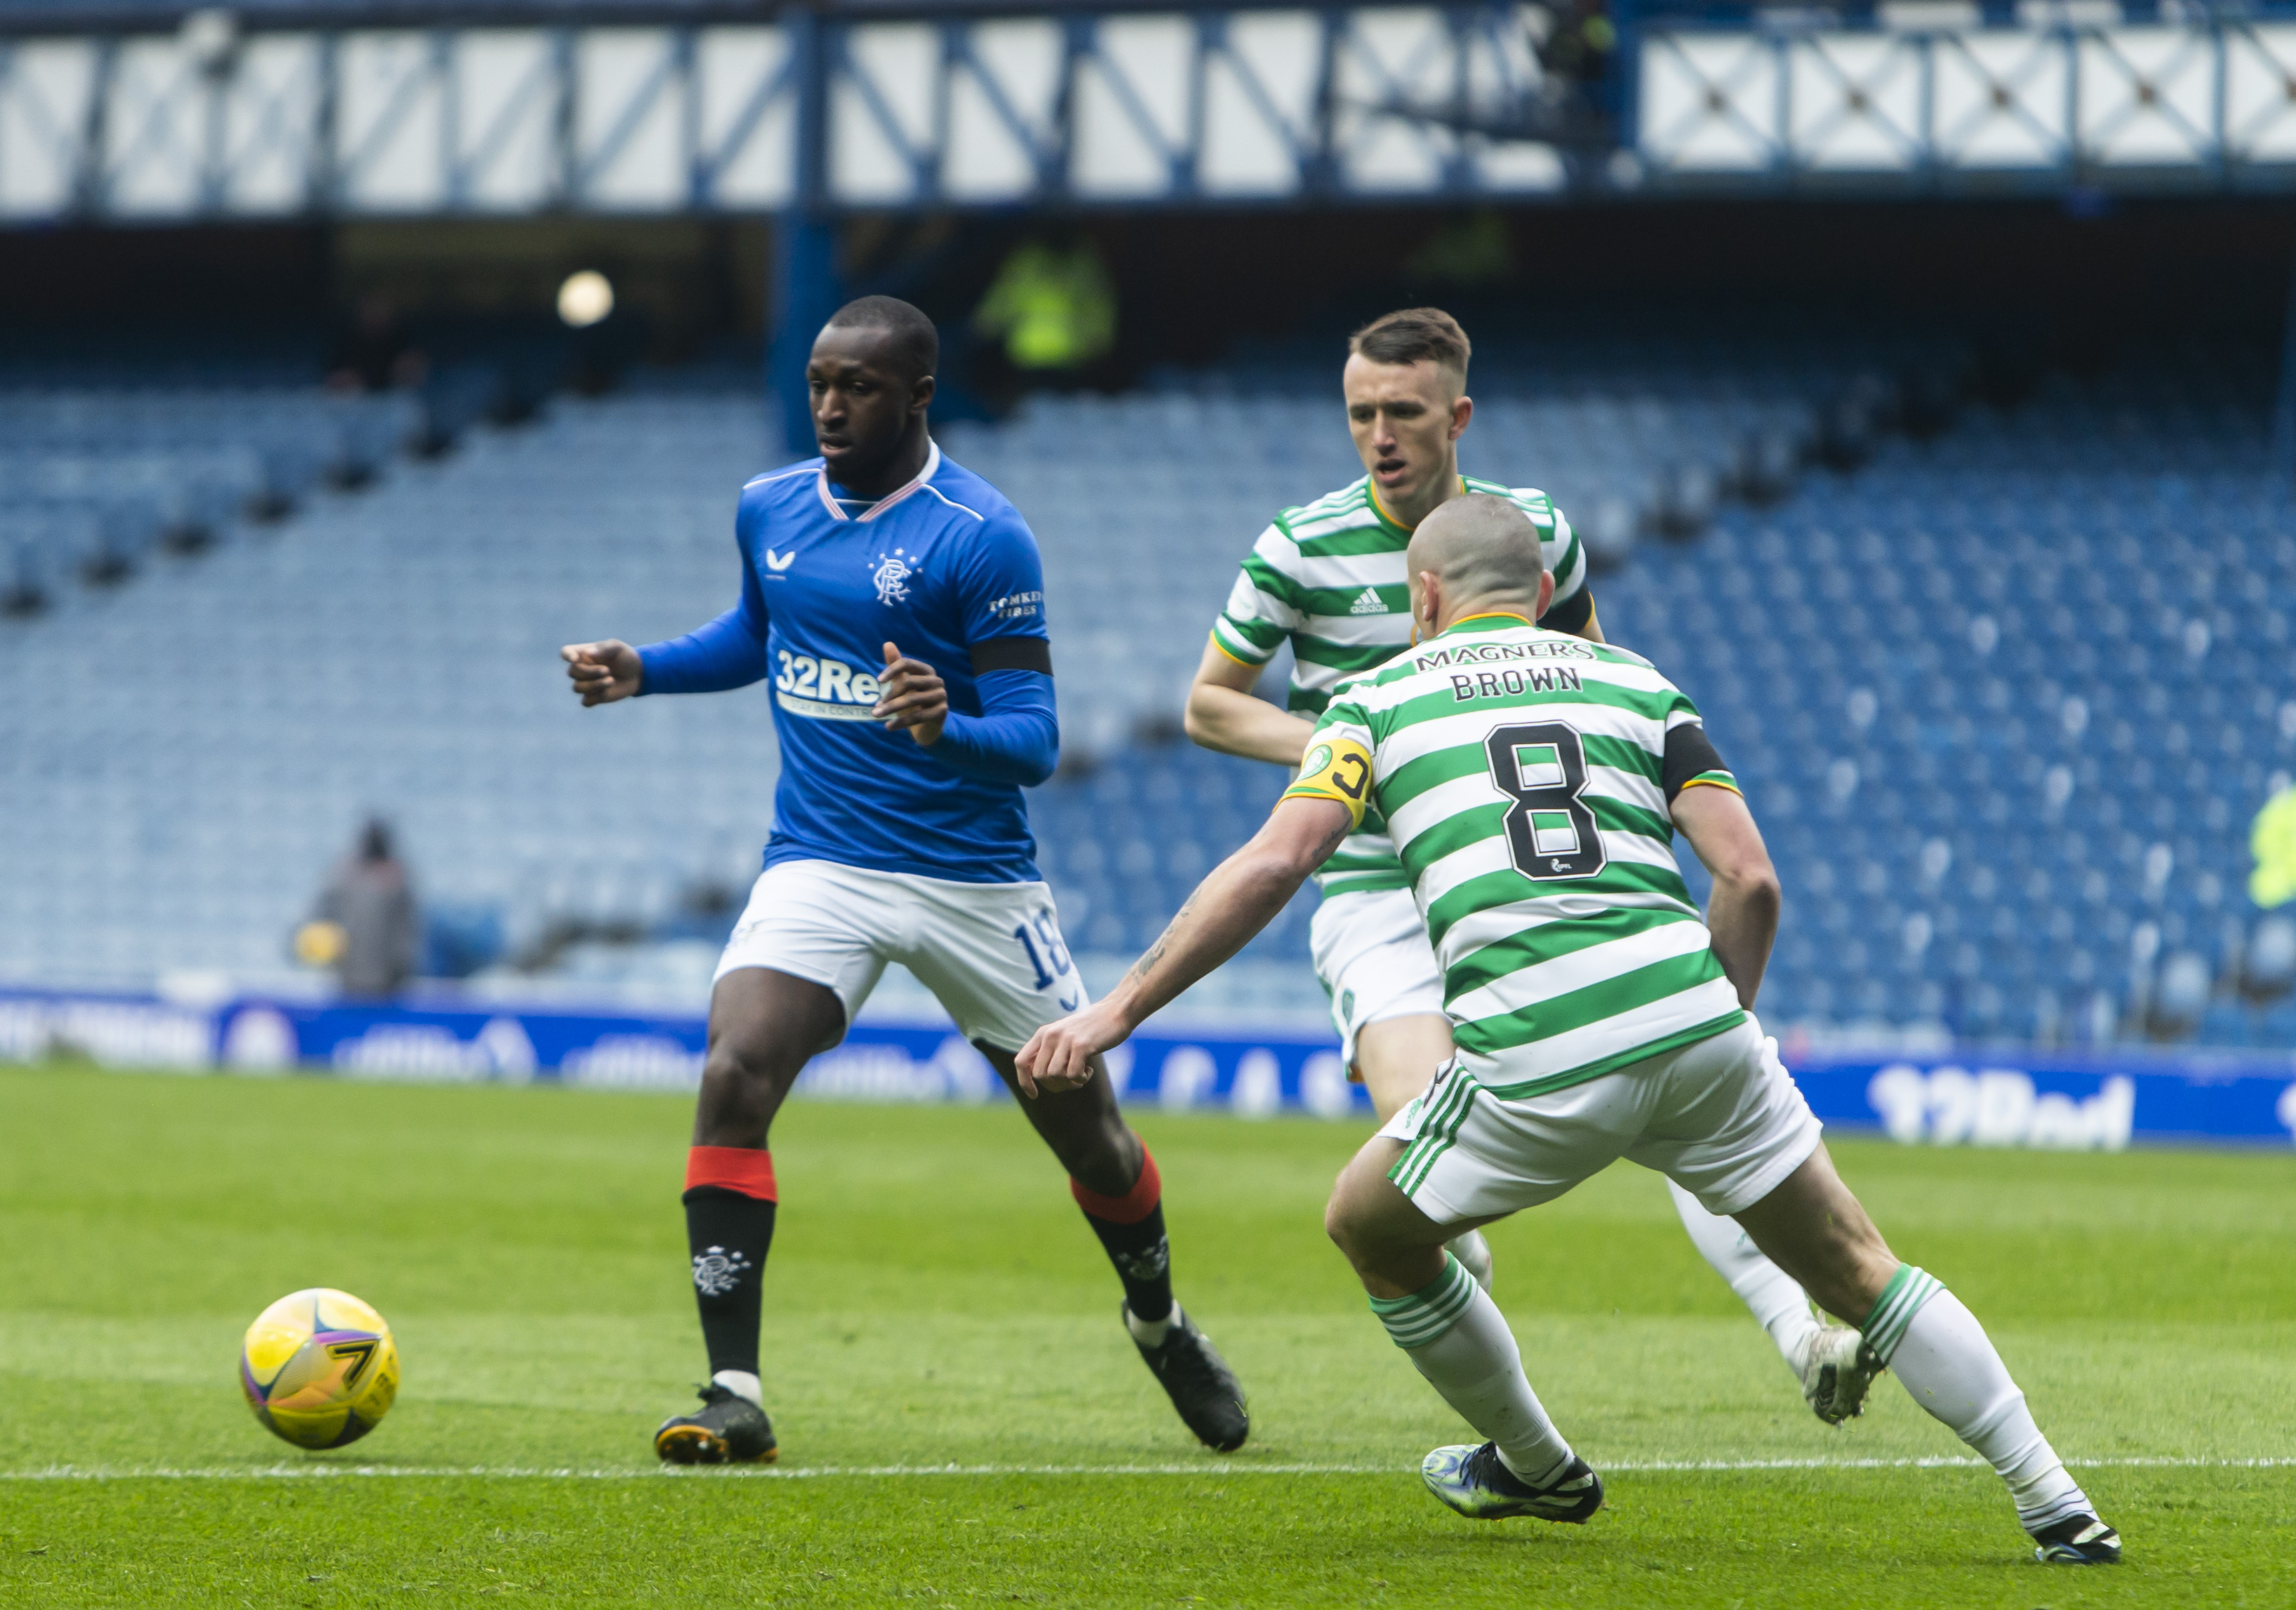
{"points": [[1477, 1483]]}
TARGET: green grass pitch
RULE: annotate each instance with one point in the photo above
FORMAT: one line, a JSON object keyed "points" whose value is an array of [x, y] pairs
{"points": [[935, 1301]]}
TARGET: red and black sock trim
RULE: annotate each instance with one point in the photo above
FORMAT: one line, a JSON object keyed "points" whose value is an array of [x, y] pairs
{"points": [[730, 1196], [1131, 1228]]}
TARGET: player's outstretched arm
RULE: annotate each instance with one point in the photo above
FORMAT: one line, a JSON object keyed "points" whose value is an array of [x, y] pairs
{"points": [[1223, 713], [1743, 915], [1241, 896], [726, 653], [603, 672]]}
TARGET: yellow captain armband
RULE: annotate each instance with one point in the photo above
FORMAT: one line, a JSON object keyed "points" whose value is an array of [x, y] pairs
{"points": [[1335, 768]]}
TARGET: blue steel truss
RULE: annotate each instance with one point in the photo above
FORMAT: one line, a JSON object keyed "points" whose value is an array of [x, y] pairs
{"points": [[824, 111], [846, 111]]}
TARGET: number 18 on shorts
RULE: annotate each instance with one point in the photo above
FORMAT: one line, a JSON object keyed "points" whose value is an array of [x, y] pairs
{"points": [[990, 952]]}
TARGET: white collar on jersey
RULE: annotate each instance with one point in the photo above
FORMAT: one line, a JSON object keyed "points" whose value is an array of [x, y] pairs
{"points": [[829, 499]]}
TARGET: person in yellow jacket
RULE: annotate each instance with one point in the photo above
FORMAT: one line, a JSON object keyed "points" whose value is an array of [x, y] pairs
{"points": [[1055, 307], [2273, 840]]}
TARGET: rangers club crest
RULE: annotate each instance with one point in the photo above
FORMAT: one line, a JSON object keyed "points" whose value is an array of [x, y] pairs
{"points": [[893, 577], [716, 1272]]}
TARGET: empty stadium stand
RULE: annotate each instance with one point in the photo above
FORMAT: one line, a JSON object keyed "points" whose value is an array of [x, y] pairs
{"points": [[2006, 699], [195, 745], [2006, 704]]}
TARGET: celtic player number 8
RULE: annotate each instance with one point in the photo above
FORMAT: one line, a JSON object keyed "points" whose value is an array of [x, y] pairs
{"points": [[1550, 832]]}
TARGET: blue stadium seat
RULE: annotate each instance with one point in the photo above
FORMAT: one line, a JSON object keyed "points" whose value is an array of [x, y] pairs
{"points": [[2036, 646]]}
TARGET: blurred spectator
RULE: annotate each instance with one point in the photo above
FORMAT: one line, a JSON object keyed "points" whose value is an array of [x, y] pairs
{"points": [[1581, 41], [1055, 308], [374, 352], [2273, 839], [2268, 966], [365, 919], [2180, 998]]}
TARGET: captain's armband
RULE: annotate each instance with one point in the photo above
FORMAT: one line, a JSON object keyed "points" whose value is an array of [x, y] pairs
{"points": [[1335, 768]]}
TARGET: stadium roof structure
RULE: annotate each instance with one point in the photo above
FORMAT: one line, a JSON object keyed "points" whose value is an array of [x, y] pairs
{"points": [[132, 111]]}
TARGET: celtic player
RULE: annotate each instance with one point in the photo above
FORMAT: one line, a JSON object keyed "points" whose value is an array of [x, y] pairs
{"points": [[1329, 577], [1533, 783]]}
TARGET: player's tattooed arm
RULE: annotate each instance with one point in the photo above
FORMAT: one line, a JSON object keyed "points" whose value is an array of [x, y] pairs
{"points": [[1155, 953], [1243, 895]]}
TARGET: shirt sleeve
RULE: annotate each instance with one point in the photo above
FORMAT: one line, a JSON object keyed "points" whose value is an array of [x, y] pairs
{"points": [[1001, 584], [1565, 556], [1339, 761], [1015, 738], [1691, 760], [729, 652], [1266, 604]]}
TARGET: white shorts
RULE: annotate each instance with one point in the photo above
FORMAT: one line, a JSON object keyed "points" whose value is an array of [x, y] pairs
{"points": [[1373, 960], [991, 953], [1722, 1119]]}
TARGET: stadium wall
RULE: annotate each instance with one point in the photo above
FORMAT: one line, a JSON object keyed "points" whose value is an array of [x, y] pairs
{"points": [[2040, 1099]]}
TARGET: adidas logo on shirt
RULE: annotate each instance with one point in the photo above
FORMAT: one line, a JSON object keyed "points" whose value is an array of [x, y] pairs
{"points": [[1368, 602]]}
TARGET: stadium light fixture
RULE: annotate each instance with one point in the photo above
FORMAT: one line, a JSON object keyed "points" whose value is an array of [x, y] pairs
{"points": [[585, 299]]}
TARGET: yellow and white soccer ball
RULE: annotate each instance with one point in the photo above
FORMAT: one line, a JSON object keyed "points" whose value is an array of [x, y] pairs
{"points": [[319, 1368]]}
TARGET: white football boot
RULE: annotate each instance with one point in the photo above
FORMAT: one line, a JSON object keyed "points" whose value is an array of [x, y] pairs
{"points": [[1837, 1373]]}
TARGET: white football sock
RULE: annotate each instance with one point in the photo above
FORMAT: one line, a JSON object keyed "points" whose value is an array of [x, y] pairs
{"points": [[1151, 1332], [1475, 1253], [1775, 1298], [741, 1383], [1455, 1335], [1944, 1357]]}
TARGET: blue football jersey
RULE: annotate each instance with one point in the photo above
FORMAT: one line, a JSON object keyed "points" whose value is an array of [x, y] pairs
{"points": [[936, 567]]}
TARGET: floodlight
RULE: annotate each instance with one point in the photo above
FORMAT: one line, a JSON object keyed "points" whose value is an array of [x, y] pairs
{"points": [[586, 298]]}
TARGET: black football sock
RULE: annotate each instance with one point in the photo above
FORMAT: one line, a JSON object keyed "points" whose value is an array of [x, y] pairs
{"points": [[1131, 1228], [729, 1228]]}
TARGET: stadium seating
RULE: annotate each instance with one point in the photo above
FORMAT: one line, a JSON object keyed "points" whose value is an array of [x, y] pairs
{"points": [[2005, 702], [96, 479], [196, 745], [2005, 705]]}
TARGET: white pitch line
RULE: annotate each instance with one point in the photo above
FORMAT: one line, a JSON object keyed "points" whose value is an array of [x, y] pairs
{"points": [[67, 1473]]}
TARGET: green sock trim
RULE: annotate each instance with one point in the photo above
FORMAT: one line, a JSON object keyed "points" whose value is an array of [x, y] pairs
{"points": [[1894, 1309], [1427, 1315], [1888, 1294]]}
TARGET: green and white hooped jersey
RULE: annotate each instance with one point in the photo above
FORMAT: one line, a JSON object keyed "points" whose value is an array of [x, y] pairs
{"points": [[1523, 775], [1331, 576]]}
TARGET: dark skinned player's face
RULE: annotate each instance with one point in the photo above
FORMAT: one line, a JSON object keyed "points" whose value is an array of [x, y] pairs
{"points": [[863, 400]]}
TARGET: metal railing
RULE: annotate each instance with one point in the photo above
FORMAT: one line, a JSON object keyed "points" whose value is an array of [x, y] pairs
{"points": [[2202, 105], [1069, 108]]}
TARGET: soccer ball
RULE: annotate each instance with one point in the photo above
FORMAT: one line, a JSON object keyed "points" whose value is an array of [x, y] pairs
{"points": [[319, 1368]]}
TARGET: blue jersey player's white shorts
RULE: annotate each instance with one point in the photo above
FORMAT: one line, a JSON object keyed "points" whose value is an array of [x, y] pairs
{"points": [[991, 953]]}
